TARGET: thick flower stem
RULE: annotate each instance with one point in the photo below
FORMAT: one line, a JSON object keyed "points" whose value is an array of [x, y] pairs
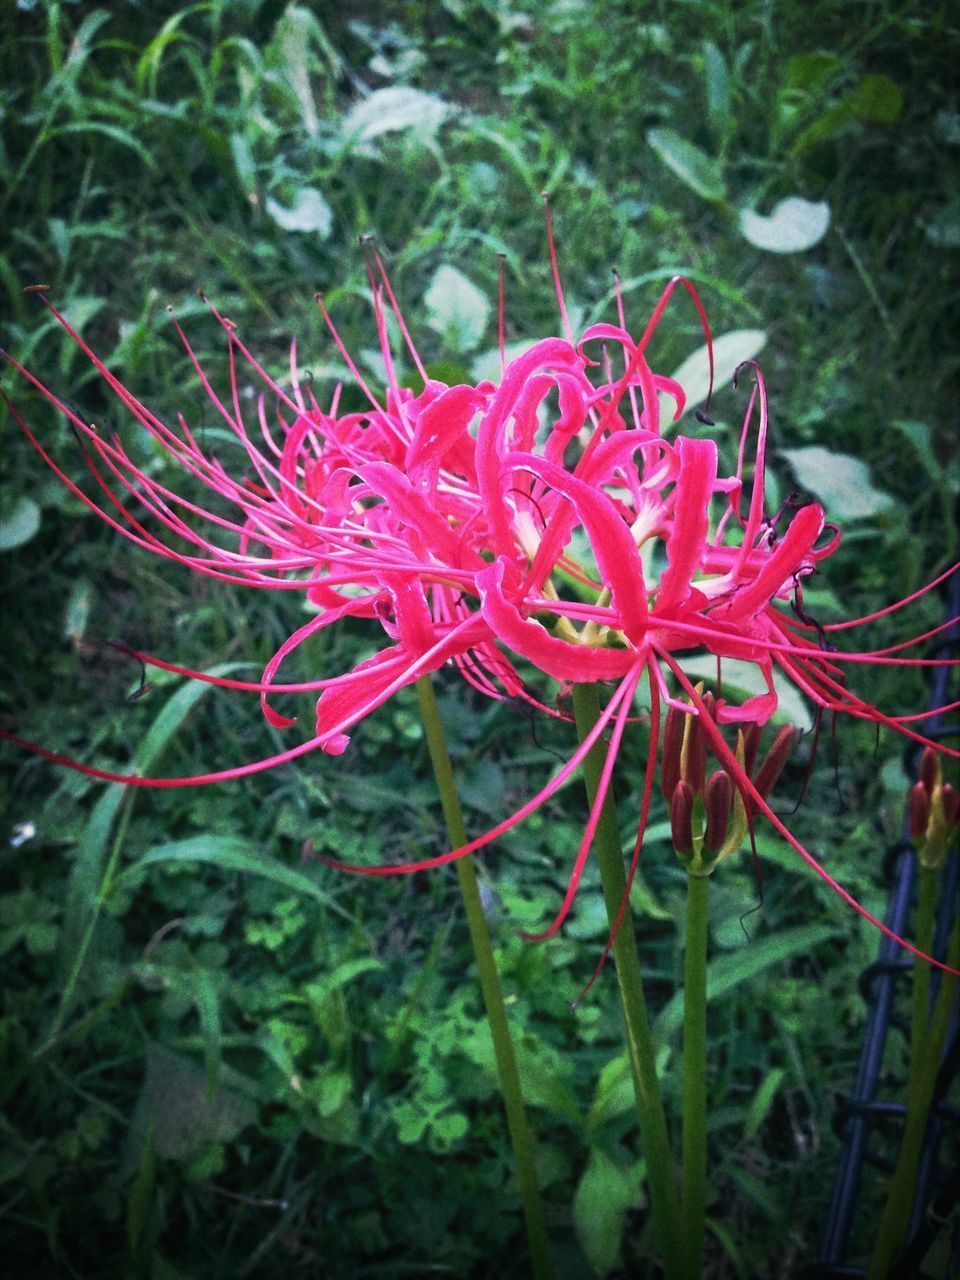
{"points": [[521, 1136], [693, 1205], [928, 1035], [640, 1046]]}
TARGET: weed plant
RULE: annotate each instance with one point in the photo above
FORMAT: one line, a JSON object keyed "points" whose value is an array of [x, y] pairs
{"points": [[219, 1058]]}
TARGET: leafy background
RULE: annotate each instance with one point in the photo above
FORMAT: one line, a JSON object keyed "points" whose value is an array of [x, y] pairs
{"points": [[219, 1057]]}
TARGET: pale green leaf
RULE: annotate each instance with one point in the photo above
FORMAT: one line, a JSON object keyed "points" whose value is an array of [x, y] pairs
{"points": [[792, 226], [19, 523], [456, 309], [309, 212], [841, 482], [742, 680], [729, 351], [700, 172], [604, 1194], [389, 110]]}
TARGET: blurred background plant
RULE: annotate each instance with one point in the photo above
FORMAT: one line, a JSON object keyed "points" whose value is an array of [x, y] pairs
{"points": [[218, 1057]]}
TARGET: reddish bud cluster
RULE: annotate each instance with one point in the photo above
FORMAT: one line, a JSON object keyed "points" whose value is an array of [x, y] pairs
{"points": [[933, 812], [711, 815]]}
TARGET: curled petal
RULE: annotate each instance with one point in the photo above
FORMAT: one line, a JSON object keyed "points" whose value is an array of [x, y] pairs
{"points": [[527, 637]]}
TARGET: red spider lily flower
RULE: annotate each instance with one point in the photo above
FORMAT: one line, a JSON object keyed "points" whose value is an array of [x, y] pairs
{"points": [[490, 549]]}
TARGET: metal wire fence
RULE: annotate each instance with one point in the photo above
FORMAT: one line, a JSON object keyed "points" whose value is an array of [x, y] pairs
{"points": [[869, 1124]]}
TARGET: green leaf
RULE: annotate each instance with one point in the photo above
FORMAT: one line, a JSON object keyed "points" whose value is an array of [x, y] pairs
{"points": [[718, 88], [700, 172], [291, 45], [761, 1102], [229, 853], [807, 72], [877, 99], [919, 435], [310, 212], [87, 885], [203, 991], [729, 351], [792, 226], [456, 309], [185, 1116], [19, 524], [614, 1094], [727, 972], [604, 1194], [841, 482], [111, 131]]}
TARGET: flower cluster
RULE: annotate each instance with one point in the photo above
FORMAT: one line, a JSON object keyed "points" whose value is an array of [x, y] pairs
{"points": [[541, 520]]}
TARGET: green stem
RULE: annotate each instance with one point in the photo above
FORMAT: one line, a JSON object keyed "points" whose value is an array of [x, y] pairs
{"points": [[521, 1136], [926, 1050], [640, 1046], [920, 1011], [695, 1074]]}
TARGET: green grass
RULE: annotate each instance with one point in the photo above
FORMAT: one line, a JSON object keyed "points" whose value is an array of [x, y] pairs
{"points": [[312, 1047]]}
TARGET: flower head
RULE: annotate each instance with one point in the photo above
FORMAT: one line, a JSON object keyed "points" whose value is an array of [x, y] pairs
{"points": [[544, 520]]}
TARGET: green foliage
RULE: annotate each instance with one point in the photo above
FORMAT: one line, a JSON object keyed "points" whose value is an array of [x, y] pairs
{"points": [[218, 1056]]}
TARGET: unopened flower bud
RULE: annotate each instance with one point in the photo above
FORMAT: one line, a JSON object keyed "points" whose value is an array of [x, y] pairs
{"points": [[719, 802], [681, 815], [751, 745], [694, 758], [672, 744], [918, 811], [774, 760]]}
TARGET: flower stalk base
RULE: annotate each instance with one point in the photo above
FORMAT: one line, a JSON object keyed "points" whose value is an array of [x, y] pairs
{"points": [[521, 1136], [640, 1045]]}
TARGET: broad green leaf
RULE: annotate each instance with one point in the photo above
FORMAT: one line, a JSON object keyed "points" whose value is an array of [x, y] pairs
{"points": [[808, 72], [310, 212], [877, 99], [604, 1194], [728, 971], [456, 309], [700, 172], [791, 227], [729, 351], [19, 523], [743, 680], [389, 110], [841, 482], [185, 1116]]}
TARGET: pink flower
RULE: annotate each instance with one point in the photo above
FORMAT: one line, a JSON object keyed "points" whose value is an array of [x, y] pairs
{"points": [[493, 549]]}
